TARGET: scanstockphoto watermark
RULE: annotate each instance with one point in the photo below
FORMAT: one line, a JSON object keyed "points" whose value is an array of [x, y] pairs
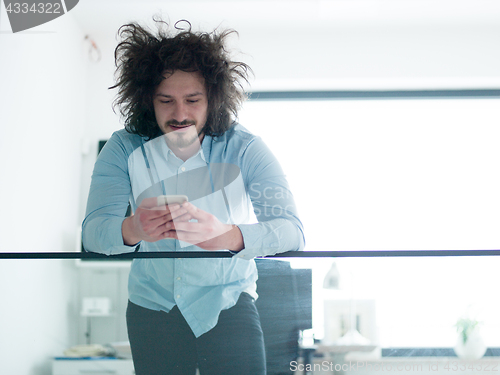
{"points": [[323, 366], [26, 14], [272, 201], [431, 366]]}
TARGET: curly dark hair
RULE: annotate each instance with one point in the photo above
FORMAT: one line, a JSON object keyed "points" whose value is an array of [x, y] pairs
{"points": [[141, 58]]}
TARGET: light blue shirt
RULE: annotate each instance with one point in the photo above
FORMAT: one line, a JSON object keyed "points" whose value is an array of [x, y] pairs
{"points": [[234, 177]]}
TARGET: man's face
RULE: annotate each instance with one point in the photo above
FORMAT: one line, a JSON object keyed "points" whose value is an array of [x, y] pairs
{"points": [[180, 103]]}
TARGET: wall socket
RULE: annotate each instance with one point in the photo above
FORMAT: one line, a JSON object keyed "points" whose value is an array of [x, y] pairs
{"points": [[96, 306]]}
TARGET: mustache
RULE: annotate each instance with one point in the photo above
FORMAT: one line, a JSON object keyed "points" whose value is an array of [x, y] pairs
{"points": [[182, 123]]}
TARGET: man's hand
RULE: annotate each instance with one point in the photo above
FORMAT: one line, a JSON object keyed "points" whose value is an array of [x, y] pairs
{"points": [[208, 233], [149, 222]]}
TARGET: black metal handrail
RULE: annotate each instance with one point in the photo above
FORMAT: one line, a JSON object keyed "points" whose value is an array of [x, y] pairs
{"points": [[227, 254]]}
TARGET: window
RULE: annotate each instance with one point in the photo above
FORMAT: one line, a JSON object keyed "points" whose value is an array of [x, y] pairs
{"points": [[405, 174]]}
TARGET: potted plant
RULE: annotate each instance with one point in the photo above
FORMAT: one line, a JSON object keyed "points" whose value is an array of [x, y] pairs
{"points": [[470, 345]]}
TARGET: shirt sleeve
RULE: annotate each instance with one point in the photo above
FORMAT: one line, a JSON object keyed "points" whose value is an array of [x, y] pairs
{"points": [[108, 201], [279, 228]]}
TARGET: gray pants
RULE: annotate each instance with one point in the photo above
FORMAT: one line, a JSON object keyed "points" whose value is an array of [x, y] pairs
{"points": [[162, 343]]}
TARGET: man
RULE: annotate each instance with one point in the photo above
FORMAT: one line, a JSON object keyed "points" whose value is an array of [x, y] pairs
{"points": [[179, 94]]}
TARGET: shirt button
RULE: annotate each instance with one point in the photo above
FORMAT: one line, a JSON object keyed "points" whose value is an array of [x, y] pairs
{"points": [[178, 296], [183, 169], [178, 278]]}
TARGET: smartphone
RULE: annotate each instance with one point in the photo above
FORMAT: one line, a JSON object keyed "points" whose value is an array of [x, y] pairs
{"points": [[171, 199]]}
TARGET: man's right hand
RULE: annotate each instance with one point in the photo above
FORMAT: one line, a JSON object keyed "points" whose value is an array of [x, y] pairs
{"points": [[148, 223]]}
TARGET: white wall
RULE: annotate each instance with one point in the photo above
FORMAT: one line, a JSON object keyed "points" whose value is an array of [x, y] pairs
{"points": [[42, 86], [100, 119]]}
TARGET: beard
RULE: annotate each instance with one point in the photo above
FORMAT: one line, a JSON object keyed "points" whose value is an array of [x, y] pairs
{"points": [[181, 139]]}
